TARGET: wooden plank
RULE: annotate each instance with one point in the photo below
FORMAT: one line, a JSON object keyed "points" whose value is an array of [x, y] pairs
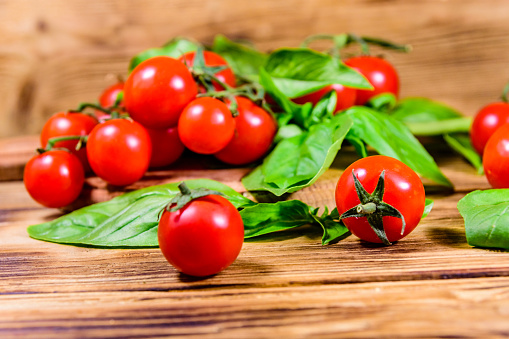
{"points": [[51, 64]]}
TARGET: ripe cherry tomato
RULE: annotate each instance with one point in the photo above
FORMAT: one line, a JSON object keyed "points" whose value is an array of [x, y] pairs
{"points": [[202, 238], [486, 122], [54, 178], [166, 146], [379, 72], [254, 132], [66, 124], [496, 158], [345, 96], [212, 59], [157, 90], [403, 191], [206, 125], [119, 151], [110, 94]]}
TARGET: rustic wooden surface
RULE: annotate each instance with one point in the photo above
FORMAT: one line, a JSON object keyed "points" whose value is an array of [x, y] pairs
{"points": [[58, 53], [430, 284]]}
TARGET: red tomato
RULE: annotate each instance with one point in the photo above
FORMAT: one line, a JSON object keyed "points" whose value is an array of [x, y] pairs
{"points": [[202, 238], [119, 151], [486, 122], [254, 132], [346, 96], [206, 125], [212, 59], [403, 191], [496, 158], [67, 124], [108, 98], [166, 146], [379, 72], [54, 178], [157, 90]]}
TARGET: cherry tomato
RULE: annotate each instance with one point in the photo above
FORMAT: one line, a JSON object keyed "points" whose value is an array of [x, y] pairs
{"points": [[54, 178], [345, 96], [166, 146], [108, 98], [206, 125], [212, 59], [157, 90], [254, 132], [67, 124], [119, 151], [379, 72], [202, 238], [403, 191], [487, 120], [496, 158]]}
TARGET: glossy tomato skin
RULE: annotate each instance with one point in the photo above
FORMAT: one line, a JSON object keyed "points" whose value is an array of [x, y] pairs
{"points": [[379, 72], [166, 146], [202, 238], [206, 125], [54, 178], [403, 190], [66, 124], [212, 59], [486, 122], [255, 130], [119, 151], [157, 90], [496, 158], [345, 96], [108, 98]]}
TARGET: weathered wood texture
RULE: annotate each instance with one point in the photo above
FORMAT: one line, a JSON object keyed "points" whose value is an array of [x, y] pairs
{"points": [[57, 53], [430, 284]]}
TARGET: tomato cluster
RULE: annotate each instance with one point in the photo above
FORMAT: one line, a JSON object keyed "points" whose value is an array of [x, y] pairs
{"points": [[148, 121]]}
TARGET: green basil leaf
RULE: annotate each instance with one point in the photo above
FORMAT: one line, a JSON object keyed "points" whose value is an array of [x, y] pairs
{"points": [[411, 110], [244, 60], [486, 218], [174, 48], [129, 220], [384, 102], [427, 208], [460, 142], [299, 71], [392, 138], [333, 230], [299, 161]]}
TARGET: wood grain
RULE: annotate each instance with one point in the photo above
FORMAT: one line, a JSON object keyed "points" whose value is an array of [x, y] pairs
{"points": [[58, 53], [429, 284]]}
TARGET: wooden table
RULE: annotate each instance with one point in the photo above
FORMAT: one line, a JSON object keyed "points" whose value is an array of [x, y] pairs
{"points": [[430, 284]]}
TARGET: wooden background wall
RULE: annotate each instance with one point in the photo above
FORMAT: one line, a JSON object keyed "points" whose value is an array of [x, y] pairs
{"points": [[57, 53]]}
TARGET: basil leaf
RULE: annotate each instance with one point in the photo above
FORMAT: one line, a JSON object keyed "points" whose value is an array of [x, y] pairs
{"points": [[411, 110], [129, 220], [244, 60], [486, 216], [298, 162], [392, 138], [174, 48], [460, 142], [384, 102], [427, 208], [299, 71], [333, 231]]}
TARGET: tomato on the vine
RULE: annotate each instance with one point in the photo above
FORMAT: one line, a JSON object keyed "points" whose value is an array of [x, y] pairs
{"points": [[119, 151], [402, 189], [203, 237], [54, 178], [496, 158], [345, 96], [166, 146], [255, 129], [157, 90], [486, 122], [64, 124], [212, 59], [206, 125], [379, 72], [108, 98]]}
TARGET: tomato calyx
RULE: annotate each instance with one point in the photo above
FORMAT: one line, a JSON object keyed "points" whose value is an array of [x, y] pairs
{"points": [[115, 111], [187, 195], [373, 208]]}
